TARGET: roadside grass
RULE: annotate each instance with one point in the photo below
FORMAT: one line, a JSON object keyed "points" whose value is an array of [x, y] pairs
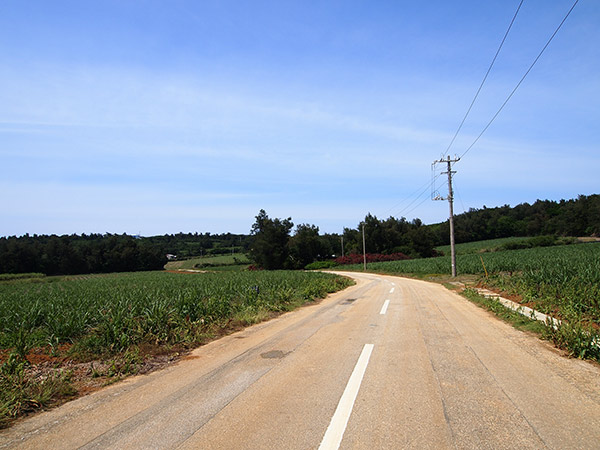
{"points": [[576, 338], [516, 319], [110, 326], [21, 393], [573, 337], [225, 268]]}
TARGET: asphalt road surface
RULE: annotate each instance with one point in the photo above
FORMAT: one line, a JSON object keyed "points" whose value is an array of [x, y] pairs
{"points": [[388, 363]]}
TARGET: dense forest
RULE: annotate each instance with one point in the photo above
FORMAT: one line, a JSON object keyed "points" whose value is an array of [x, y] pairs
{"points": [[577, 217], [73, 254], [392, 235], [105, 253]]}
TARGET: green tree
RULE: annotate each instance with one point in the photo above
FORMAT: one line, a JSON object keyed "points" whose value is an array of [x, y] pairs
{"points": [[269, 248], [306, 246]]}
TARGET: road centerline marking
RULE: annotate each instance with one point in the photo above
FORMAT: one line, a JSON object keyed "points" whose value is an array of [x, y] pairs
{"points": [[339, 421], [384, 307], [392, 290]]}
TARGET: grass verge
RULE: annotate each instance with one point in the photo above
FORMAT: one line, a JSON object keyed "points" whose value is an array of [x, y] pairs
{"points": [[514, 318], [574, 336]]}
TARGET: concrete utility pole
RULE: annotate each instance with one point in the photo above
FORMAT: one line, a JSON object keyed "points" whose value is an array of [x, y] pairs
{"points": [[364, 249], [450, 199]]}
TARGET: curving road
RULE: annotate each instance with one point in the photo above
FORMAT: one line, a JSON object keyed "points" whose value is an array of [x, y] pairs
{"points": [[388, 363]]}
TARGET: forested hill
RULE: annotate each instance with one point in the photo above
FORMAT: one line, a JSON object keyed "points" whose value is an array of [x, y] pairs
{"points": [[577, 217]]}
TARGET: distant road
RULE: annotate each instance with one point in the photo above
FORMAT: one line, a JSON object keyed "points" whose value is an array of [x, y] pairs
{"points": [[389, 363]]}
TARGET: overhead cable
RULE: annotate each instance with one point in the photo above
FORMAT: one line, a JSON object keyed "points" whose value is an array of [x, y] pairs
{"points": [[421, 191], [484, 79], [520, 81]]}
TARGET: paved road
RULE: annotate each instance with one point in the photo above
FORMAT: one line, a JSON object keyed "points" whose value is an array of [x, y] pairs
{"points": [[425, 369]]}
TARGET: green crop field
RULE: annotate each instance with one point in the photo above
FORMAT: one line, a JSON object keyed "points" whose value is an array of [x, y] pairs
{"points": [[478, 246], [109, 313], [563, 279], [107, 319], [236, 261]]}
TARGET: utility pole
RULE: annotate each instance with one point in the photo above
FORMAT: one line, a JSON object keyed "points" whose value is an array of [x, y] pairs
{"points": [[364, 249], [450, 199]]}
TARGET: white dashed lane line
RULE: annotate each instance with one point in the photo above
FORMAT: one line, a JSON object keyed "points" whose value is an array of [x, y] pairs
{"points": [[384, 307], [337, 426]]}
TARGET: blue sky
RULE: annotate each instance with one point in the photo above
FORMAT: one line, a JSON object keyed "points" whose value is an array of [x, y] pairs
{"points": [[156, 117]]}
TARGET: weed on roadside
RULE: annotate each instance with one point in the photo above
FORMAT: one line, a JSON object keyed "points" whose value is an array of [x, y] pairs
{"points": [[21, 391], [579, 340]]}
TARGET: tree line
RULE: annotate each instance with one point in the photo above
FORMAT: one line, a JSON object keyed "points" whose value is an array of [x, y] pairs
{"points": [[274, 247], [73, 254], [575, 217], [105, 253]]}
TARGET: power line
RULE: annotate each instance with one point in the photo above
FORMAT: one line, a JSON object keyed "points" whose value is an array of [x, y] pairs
{"points": [[409, 196], [520, 81], [426, 186], [459, 199], [484, 79], [422, 190], [416, 206], [419, 191]]}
